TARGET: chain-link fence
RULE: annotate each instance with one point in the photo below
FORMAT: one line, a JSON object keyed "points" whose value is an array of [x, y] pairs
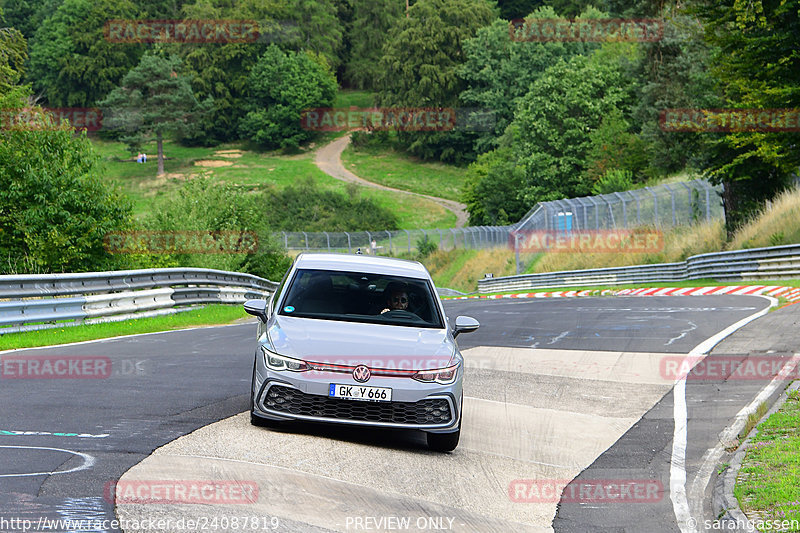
{"points": [[675, 204], [661, 206], [398, 241]]}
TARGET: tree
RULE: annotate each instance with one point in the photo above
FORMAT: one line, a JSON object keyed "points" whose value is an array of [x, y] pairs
{"points": [[306, 206], [281, 86], [421, 58], [206, 207], [27, 15], [517, 9], [419, 68], [675, 73], [490, 189], [368, 32], [546, 150], [13, 53], [555, 119], [221, 70], [497, 71], [614, 180], [153, 100], [71, 61], [612, 147], [320, 29], [55, 209], [757, 66]]}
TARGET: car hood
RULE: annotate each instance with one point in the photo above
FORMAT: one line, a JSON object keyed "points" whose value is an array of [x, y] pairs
{"points": [[353, 343]]}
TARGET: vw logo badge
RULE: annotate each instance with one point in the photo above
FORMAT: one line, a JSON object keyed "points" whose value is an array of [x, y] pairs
{"points": [[361, 374]]}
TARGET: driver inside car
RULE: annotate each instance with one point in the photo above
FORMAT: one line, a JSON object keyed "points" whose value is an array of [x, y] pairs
{"points": [[397, 300]]}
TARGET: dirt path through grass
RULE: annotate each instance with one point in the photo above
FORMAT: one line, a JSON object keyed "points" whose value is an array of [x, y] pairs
{"points": [[328, 159]]}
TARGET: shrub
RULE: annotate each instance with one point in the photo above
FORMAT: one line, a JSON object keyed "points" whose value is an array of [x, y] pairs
{"points": [[616, 180], [282, 85]]}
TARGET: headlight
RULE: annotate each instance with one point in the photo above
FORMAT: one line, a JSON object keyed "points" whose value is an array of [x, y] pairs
{"points": [[444, 376], [280, 362]]}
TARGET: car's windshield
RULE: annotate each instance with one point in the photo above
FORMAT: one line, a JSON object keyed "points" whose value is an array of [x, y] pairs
{"points": [[361, 297]]}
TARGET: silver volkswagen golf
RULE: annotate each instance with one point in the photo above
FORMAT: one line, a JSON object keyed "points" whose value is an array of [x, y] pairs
{"points": [[359, 340]]}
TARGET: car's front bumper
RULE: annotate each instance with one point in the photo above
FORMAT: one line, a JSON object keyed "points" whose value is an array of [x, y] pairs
{"points": [[285, 395]]}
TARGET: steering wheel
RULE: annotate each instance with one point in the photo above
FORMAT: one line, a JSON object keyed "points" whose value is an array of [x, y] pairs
{"points": [[400, 313], [415, 304]]}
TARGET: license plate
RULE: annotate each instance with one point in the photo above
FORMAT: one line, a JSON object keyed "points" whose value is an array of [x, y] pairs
{"points": [[358, 392]]}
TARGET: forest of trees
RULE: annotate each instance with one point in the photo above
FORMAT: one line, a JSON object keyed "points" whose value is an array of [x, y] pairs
{"points": [[570, 118]]}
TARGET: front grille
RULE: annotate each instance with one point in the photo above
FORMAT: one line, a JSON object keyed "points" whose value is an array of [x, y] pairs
{"points": [[292, 401]]}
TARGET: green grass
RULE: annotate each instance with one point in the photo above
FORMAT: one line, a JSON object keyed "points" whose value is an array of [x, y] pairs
{"points": [[768, 483], [250, 171], [208, 315], [400, 171], [412, 212], [351, 98], [444, 277]]}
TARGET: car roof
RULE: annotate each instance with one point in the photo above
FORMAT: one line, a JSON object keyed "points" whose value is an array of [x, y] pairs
{"points": [[362, 263]]}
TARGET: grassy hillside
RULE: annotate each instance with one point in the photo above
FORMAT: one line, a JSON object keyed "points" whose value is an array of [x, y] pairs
{"points": [[248, 170], [404, 172], [778, 224], [461, 269], [679, 243]]}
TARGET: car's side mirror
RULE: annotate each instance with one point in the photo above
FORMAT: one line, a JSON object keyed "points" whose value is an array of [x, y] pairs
{"points": [[465, 324], [257, 308]]}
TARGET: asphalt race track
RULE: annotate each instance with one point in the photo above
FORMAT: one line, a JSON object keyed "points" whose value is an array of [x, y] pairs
{"points": [[555, 388]]}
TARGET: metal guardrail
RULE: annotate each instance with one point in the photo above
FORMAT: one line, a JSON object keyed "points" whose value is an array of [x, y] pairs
{"points": [[55, 300], [776, 262]]}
